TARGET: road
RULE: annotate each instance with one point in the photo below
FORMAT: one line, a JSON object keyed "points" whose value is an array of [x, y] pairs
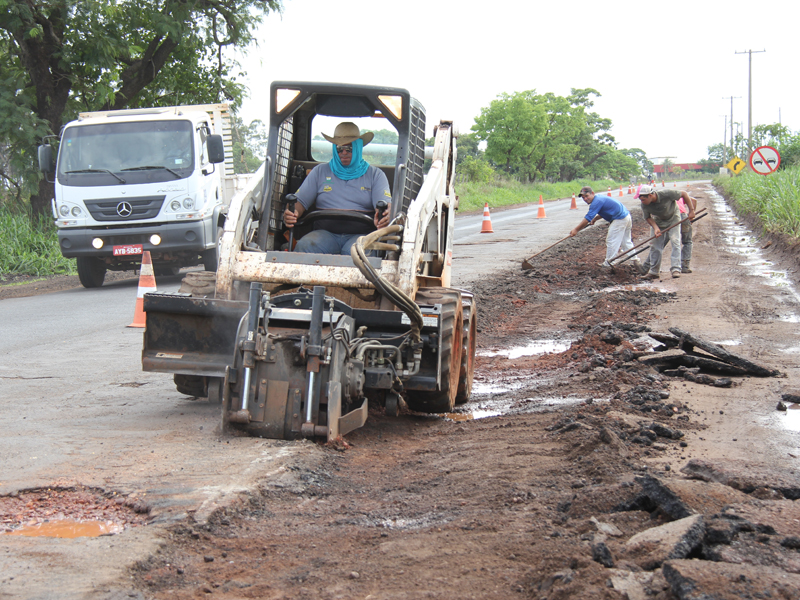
{"points": [[78, 410]]}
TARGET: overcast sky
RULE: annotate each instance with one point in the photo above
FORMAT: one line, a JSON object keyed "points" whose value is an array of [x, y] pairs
{"points": [[665, 70]]}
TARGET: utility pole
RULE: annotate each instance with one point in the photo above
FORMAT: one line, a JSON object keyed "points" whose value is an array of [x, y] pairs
{"points": [[750, 94], [731, 121], [724, 140]]}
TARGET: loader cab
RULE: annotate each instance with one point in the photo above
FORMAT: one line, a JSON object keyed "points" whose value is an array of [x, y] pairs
{"points": [[300, 112]]}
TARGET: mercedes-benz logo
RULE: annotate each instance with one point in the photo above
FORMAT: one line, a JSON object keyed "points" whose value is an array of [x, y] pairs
{"points": [[124, 209]]}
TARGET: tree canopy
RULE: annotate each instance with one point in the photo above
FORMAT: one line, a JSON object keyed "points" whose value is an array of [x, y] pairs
{"points": [[60, 57], [549, 137]]}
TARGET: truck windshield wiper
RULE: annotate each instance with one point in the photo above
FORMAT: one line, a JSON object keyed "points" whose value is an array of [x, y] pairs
{"points": [[121, 180], [152, 168]]}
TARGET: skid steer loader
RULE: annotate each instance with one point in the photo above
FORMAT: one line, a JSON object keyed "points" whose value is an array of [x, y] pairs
{"points": [[296, 344]]}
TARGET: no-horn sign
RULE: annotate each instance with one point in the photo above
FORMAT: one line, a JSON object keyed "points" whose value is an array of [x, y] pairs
{"points": [[765, 160]]}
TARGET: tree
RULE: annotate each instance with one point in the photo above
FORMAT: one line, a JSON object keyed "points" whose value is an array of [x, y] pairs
{"points": [[249, 144], [59, 57], [549, 137]]}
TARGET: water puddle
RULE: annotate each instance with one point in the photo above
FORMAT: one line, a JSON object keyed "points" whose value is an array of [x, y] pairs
{"points": [[788, 420], [740, 240], [633, 287], [531, 349], [68, 529]]}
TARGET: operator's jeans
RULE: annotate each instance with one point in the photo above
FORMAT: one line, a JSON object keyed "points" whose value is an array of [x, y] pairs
{"points": [[325, 242], [618, 237], [673, 236]]}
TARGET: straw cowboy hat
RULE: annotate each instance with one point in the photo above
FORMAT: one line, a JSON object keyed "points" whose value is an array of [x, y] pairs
{"points": [[346, 133]]}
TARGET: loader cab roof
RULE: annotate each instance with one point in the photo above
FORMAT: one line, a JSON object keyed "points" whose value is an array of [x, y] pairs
{"points": [[314, 107]]}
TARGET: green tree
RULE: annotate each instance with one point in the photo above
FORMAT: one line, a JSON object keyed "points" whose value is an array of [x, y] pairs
{"points": [[59, 57], [249, 144], [475, 169]]}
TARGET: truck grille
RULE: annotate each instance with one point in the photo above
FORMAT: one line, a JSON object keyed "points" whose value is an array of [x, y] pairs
{"points": [[125, 209]]}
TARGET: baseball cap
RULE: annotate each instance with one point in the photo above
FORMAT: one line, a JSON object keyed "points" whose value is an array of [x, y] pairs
{"points": [[643, 190], [585, 190]]}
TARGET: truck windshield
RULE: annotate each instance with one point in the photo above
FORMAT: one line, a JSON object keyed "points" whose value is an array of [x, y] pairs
{"points": [[111, 148]]}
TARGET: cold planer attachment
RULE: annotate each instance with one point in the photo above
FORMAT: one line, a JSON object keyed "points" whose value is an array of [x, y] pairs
{"points": [[301, 364]]}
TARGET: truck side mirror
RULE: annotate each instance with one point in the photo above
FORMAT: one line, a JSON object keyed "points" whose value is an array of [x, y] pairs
{"points": [[215, 148], [47, 163]]}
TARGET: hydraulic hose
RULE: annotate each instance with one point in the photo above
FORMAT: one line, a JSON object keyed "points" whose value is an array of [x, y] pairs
{"points": [[387, 289]]}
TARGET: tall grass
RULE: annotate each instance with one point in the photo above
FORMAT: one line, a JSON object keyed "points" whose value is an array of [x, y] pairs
{"points": [[29, 246], [472, 196], [774, 198]]}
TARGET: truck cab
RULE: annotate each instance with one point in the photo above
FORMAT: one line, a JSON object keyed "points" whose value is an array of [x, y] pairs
{"points": [[130, 181]]}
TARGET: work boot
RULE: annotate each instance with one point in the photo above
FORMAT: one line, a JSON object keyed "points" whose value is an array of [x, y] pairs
{"points": [[685, 268], [676, 274], [652, 276]]}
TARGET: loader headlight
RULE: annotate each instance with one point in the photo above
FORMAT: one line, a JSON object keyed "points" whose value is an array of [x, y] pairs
{"points": [[63, 210]]}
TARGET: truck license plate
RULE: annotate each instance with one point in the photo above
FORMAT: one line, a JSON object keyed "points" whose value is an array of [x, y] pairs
{"points": [[127, 250]]}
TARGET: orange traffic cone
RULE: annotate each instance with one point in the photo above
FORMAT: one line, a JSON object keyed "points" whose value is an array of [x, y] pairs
{"points": [[487, 220], [674, 184], [620, 192], [630, 188], [663, 183], [147, 283], [540, 214], [609, 190], [573, 206]]}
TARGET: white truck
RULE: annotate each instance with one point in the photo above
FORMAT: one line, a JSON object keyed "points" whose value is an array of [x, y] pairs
{"points": [[155, 179]]}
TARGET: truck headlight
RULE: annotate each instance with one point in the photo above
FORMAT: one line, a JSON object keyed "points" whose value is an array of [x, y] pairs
{"points": [[76, 211], [63, 210], [188, 204], [175, 205], [97, 243], [155, 239]]}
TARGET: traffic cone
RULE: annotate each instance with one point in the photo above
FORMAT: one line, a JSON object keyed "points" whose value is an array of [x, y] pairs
{"points": [[573, 206], [620, 191], [540, 214], [663, 183], [147, 283], [609, 190], [674, 184], [630, 188], [487, 220]]}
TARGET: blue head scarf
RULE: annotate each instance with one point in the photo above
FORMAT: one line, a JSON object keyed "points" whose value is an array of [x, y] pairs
{"points": [[357, 167]]}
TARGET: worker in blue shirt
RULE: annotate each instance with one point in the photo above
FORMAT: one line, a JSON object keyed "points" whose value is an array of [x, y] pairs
{"points": [[618, 217]]}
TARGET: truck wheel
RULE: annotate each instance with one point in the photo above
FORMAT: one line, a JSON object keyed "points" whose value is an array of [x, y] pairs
{"points": [[211, 256], [451, 344], [91, 271], [191, 385], [200, 284], [468, 346]]}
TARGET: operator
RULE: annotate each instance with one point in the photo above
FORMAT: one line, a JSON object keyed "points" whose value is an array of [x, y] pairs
{"points": [[660, 208], [347, 182], [613, 211]]}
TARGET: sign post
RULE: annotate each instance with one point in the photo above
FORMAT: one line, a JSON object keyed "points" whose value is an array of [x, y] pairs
{"points": [[765, 160]]}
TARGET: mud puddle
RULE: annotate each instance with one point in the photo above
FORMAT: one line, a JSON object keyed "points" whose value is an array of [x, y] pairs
{"points": [[68, 529]]}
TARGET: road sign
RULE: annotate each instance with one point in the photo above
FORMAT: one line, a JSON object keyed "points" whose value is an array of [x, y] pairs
{"points": [[736, 165], [765, 160]]}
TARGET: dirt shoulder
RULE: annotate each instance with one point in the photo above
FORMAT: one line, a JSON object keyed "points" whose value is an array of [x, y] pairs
{"points": [[604, 478]]}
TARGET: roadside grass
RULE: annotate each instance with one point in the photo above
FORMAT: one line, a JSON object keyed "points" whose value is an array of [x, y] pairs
{"points": [[774, 199], [472, 196], [29, 246]]}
